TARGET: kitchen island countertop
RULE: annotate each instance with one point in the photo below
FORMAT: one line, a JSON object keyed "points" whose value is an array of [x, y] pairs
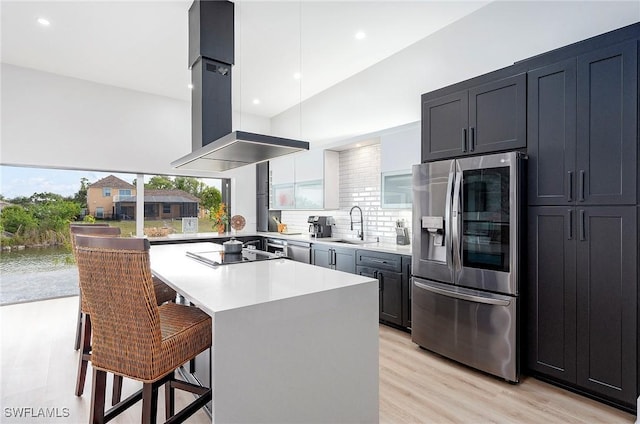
{"points": [[292, 342]]}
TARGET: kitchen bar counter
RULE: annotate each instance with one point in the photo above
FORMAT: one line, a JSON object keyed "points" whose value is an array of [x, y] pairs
{"points": [[291, 342]]}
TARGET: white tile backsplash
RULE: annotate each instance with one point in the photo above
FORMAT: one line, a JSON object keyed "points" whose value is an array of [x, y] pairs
{"points": [[359, 185]]}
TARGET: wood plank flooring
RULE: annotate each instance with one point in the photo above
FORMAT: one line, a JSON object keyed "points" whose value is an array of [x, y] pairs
{"points": [[38, 370]]}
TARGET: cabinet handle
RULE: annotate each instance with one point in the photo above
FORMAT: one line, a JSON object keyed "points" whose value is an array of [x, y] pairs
{"points": [[583, 229], [380, 261], [570, 188], [330, 257], [472, 139], [570, 226], [464, 140], [581, 186]]}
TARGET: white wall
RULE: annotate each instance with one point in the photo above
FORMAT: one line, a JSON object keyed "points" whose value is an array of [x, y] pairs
{"points": [[359, 185], [53, 121], [50, 120], [388, 93]]}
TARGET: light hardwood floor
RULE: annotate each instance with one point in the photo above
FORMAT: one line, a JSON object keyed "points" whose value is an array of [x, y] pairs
{"points": [[39, 369]]}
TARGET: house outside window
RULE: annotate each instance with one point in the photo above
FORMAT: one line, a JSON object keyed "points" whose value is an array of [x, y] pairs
{"points": [[166, 208], [99, 212], [124, 192], [106, 191]]}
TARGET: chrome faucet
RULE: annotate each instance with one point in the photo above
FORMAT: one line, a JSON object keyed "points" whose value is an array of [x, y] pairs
{"points": [[361, 232]]}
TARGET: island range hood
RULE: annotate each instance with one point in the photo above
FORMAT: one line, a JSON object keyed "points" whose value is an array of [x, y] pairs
{"points": [[211, 57]]}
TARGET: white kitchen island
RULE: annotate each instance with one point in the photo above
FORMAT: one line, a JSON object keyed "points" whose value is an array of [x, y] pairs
{"points": [[292, 342]]}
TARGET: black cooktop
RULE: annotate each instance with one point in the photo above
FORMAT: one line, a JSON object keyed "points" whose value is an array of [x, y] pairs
{"points": [[218, 257]]}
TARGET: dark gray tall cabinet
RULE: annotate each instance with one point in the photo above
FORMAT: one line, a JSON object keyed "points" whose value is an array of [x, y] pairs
{"points": [[262, 196], [582, 290]]}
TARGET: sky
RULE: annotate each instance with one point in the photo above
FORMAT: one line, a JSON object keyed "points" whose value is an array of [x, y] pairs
{"points": [[20, 181]]}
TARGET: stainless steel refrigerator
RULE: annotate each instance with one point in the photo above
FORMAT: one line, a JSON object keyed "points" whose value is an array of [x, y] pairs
{"points": [[466, 260]]}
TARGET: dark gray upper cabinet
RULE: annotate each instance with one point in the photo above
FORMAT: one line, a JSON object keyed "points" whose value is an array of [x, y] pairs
{"points": [[582, 129], [607, 125], [551, 132], [483, 119], [262, 178]]}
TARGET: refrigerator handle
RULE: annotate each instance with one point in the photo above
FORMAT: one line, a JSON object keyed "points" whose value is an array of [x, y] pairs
{"points": [[462, 296], [447, 220], [455, 218]]}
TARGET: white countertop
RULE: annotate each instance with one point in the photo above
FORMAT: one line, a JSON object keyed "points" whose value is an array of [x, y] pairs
{"points": [[304, 237], [366, 245], [232, 286]]}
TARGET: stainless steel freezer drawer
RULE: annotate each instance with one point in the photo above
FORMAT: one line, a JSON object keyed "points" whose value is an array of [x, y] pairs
{"points": [[472, 327]]}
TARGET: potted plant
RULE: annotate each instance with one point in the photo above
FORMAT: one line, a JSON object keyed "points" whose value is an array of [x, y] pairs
{"points": [[219, 217]]}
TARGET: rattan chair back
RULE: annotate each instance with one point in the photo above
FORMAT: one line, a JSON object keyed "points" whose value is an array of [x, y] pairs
{"points": [[116, 283], [102, 230]]}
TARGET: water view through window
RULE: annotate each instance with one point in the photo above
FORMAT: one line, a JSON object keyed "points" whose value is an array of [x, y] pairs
{"points": [[37, 205]]}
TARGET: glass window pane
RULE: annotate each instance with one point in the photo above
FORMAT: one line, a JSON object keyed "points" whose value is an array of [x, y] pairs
{"points": [[485, 204]]}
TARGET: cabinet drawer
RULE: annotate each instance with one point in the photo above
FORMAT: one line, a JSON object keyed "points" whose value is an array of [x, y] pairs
{"points": [[379, 260]]}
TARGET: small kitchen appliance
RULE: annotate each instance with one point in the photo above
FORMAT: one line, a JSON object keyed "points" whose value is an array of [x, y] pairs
{"points": [[320, 226]]}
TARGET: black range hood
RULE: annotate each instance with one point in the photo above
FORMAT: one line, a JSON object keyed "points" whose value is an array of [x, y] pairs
{"points": [[211, 57]]}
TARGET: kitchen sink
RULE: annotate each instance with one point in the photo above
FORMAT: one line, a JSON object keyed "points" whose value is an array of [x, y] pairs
{"points": [[351, 241]]}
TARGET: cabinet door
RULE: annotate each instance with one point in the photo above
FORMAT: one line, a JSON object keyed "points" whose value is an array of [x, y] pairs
{"points": [[390, 293], [406, 291], [444, 126], [498, 115], [607, 301], [607, 125], [321, 256], [390, 296], [344, 260], [262, 178], [551, 132], [281, 172], [551, 292]]}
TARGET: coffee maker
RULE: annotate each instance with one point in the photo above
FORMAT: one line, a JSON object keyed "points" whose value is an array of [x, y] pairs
{"points": [[320, 226]]}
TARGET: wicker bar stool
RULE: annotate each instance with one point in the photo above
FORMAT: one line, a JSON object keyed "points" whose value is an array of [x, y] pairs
{"points": [[132, 335], [163, 293]]}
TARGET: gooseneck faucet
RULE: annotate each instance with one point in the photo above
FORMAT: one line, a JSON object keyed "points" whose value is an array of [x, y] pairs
{"points": [[361, 232]]}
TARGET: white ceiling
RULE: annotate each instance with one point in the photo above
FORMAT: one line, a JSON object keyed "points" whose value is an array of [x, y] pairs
{"points": [[142, 45]]}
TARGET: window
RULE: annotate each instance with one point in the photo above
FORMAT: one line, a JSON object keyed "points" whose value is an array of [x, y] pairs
{"points": [[166, 208], [124, 192], [106, 191], [99, 212]]}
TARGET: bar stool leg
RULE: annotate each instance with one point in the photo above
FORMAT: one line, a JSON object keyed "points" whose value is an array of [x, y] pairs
{"points": [[116, 394], [79, 325], [169, 398], [149, 403], [97, 396], [85, 354]]}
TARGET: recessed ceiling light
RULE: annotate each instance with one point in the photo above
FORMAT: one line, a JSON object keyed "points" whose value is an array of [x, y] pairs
{"points": [[43, 22], [190, 86], [297, 75], [256, 101], [360, 35]]}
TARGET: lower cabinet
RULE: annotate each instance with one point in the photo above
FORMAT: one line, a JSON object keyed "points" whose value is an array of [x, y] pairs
{"points": [[340, 259], [583, 299], [406, 291], [387, 269]]}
